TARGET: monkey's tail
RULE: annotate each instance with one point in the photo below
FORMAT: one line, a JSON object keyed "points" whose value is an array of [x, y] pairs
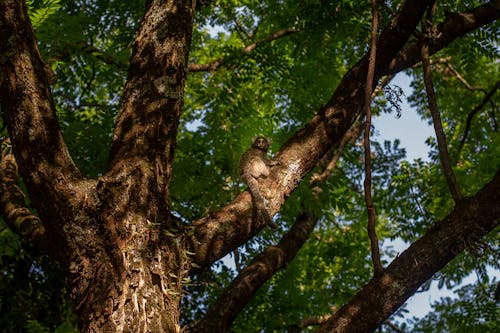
{"points": [[259, 203]]}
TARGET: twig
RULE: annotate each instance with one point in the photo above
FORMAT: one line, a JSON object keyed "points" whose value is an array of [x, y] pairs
{"points": [[84, 47], [471, 114], [463, 80], [436, 118], [241, 31], [351, 135], [393, 326], [372, 234], [212, 66], [88, 85]]}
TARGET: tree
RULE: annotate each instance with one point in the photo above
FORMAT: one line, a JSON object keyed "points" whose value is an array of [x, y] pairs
{"points": [[130, 225]]}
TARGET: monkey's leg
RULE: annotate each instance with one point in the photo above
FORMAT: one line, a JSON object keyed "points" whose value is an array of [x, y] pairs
{"points": [[259, 203]]}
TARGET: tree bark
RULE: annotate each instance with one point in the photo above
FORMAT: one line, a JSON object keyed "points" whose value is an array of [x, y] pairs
{"points": [[220, 233], [124, 274], [236, 296], [123, 254], [471, 220]]}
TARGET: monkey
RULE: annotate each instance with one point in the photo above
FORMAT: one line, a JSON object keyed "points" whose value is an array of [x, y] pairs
{"points": [[254, 164]]}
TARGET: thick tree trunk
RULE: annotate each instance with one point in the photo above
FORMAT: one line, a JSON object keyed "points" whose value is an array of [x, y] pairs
{"points": [[134, 286], [109, 235], [124, 273], [112, 235]]}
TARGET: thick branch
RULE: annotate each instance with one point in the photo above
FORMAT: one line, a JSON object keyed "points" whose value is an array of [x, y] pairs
{"points": [[253, 276], [13, 207], [28, 107], [220, 316], [454, 26], [146, 127], [471, 220], [215, 64], [221, 232]]}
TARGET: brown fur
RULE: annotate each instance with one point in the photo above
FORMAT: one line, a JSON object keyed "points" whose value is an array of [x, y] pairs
{"points": [[254, 164]]}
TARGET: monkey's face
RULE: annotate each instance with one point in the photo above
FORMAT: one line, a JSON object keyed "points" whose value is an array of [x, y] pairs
{"points": [[261, 143]]}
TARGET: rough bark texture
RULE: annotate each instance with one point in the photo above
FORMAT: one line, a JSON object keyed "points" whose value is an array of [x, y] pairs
{"points": [[455, 25], [471, 219], [13, 206], [218, 234], [222, 231], [37, 142], [139, 268], [124, 272], [221, 314]]}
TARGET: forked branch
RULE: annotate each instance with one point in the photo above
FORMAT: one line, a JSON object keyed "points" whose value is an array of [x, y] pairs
{"points": [[222, 313], [220, 316], [215, 64]]}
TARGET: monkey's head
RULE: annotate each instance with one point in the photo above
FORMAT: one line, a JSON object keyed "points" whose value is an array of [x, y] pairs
{"points": [[261, 143]]}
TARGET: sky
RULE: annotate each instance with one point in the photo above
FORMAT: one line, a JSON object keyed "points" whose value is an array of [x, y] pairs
{"points": [[409, 128], [412, 133]]}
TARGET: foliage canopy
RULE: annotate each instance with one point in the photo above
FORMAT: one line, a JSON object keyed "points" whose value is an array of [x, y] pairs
{"points": [[274, 89]]}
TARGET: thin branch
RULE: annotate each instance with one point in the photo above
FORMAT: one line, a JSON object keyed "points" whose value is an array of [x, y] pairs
{"points": [[444, 60], [252, 277], [350, 136], [463, 80], [393, 326], [241, 31], [471, 219], [370, 207], [84, 47], [436, 118], [88, 85], [215, 64], [13, 207], [471, 115], [221, 232]]}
